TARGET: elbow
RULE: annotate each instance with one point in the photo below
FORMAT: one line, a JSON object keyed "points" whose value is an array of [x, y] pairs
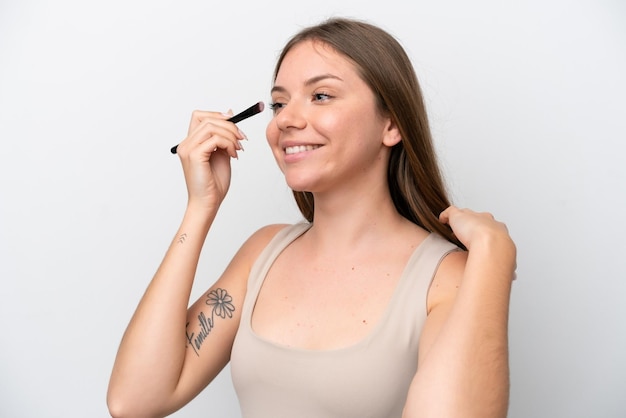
{"points": [[117, 409], [116, 412], [120, 407], [126, 399], [121, 410], [125, 406]]}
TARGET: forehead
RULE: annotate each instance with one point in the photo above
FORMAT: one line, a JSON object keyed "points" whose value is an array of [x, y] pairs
{"points": [[310, 58]]}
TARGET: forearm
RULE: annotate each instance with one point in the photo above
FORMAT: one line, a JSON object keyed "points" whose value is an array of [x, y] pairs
{"points": [[152, 350], [465, 372]]}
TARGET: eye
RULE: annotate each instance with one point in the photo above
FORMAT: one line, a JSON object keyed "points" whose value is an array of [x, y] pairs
{"points": [[276, 106], [321, 97]]}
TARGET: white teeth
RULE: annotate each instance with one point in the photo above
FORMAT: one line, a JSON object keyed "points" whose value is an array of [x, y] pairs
{"points": [[300, 148]]}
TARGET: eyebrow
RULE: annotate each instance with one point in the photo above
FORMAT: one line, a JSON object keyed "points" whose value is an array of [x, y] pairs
{"points": [[309, 82]]}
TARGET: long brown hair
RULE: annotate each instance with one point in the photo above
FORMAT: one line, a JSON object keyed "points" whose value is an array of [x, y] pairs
{"points": [[414, 178]]}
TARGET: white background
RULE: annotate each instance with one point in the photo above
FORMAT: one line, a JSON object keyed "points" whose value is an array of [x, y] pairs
{"points": [[527, 107]]}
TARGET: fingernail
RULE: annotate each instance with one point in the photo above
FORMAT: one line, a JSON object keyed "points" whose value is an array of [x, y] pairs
{"points": [[243, 135], [240, 145]]}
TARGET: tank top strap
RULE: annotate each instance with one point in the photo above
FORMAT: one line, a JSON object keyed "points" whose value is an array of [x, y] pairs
{"points": [[264, 262], [408, 310]]}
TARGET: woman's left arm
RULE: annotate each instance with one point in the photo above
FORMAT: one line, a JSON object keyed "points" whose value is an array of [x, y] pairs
{"points": [[463, 365]]}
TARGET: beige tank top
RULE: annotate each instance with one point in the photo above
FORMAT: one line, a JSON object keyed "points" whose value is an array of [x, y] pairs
{"points": [[368, 379]]}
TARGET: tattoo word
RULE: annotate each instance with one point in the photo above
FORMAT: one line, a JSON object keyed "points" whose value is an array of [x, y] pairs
{"points": [[222, 306]]}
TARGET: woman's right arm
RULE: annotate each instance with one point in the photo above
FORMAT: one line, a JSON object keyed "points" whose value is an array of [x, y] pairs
{"points": [[170, 351]]}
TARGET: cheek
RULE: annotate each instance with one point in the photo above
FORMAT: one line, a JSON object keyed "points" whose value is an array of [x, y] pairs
{"points": [[271, 134], [330, 124]]}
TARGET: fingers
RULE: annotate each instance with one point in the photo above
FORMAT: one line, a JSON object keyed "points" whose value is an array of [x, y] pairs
{"points": [[198, 116], [452, 211], [480, 231], [203, 149], [444, 217], [208, 132], [449, 212]]}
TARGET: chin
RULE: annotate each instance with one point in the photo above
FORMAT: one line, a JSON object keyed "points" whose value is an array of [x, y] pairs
{"points": [[300, 185], [299, 188]]}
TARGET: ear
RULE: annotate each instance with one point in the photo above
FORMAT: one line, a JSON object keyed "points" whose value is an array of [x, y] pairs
{"points": [[391, 134]]}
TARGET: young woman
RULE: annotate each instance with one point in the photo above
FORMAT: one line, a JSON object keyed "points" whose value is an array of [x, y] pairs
{"points": [[385, 302]]}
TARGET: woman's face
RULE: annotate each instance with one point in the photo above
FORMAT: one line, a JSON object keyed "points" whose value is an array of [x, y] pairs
{"points": [[326, 130]]}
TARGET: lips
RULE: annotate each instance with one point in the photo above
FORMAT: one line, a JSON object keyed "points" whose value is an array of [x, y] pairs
{"points": [[300, 148]]}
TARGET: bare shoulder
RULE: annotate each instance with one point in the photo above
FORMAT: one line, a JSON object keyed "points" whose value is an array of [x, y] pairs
{"points": [[259, 240], [236, 273], [268, 232], [447, 280], [253, 246]]}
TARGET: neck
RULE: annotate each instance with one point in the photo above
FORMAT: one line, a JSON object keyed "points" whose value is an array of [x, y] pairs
{"points": [[352, 218]]}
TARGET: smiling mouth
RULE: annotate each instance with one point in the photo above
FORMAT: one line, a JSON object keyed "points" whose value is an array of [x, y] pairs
{"points": [[300, 148]]}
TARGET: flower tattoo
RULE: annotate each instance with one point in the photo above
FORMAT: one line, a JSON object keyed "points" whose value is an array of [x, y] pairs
{"points": [[221, 302]]}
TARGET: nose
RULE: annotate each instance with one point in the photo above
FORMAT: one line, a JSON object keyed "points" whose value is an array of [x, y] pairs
{"points": [[291, 116]]}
